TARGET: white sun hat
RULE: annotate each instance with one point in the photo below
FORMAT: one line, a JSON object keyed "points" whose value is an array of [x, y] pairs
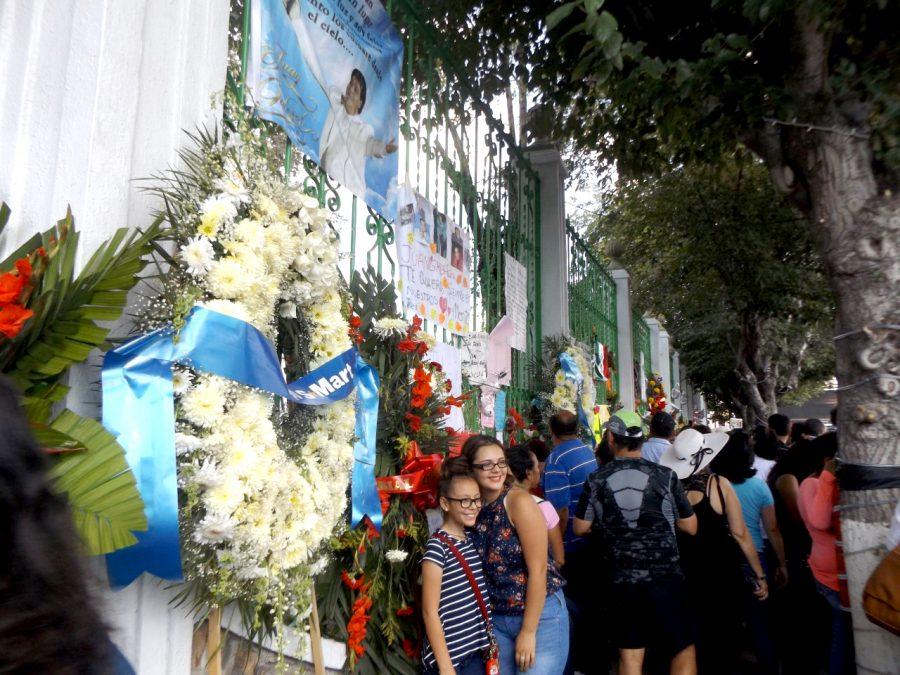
{"points": [[691, 451]]}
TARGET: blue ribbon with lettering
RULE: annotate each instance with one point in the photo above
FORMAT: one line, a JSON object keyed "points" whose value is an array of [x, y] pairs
{"points": [[138, 408], [572, 372], [364, 499]]}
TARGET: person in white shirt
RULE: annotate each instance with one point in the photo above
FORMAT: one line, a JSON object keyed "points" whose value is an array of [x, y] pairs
{"points": [[662, 431], [346, 140]]}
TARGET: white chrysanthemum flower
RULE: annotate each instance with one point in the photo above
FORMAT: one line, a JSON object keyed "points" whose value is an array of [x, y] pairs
{"points": [[396, 556], [429, 340], [228, 279], [215, 212], [186, 443], [251, 232], [234, 188], [213, 529], [198, 256], [207, 475], [204, 404], [181, 380], [386, 327], [224, 497], [266, 208]]}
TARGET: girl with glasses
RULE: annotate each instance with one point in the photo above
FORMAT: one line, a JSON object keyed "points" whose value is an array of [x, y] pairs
{"points": [[529, 612], [457, 625]]}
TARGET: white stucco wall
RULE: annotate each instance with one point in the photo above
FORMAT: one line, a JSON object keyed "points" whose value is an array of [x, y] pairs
{"points": [[94, 94]]}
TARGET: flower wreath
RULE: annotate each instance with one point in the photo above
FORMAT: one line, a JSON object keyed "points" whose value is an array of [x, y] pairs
{"points": [[263, 483], [565, 394]]}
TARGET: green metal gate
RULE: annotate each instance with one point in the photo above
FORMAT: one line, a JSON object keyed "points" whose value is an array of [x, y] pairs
{"points": [[456, 152], [640, 333], [592, 302]]}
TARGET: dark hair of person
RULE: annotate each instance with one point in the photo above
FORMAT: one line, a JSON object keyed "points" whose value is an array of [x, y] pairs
{"points": [[451, 469], [779, 424], [799, 430], [475, 443], [833, 416], [627, 442], [815, 426], [49, 622], [801, 461], [538, 447], [763, 444], [520, 461], [662, 425], [823, 448], [358, 76], [702, 428], [564, 423], [735, 460], [603, 451]]}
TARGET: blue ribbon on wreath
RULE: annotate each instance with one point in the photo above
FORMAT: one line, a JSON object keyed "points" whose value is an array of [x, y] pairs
{"points": [[572, 372], [138, 409]]}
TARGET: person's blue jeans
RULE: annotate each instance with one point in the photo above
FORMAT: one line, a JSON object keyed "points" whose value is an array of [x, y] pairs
{"points": [[472, 664], [841, 657], [552, 639]]}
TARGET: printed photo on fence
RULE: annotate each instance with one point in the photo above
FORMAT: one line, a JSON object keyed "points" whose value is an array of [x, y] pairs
{"points": [[432, 251], [328, 72]]}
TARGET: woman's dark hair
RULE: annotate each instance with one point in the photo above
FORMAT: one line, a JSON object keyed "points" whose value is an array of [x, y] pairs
{"points": [[702, 428], [520, 461], [603, 452], [798, 430], [538, 447], [779, 424], [358, 76], [823, 448], [451, 469], [474, 443], [48, 619], [735, 460], [763, 443]]}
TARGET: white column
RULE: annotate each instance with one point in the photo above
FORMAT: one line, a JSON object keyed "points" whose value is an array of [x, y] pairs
{"points": [[625, 351], [93, 96], [547, 162], [655, 329], [676, 380], [665, 365]]}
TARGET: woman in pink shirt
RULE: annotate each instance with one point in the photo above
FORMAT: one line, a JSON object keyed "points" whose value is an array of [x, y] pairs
{"points": [[819, 495]]}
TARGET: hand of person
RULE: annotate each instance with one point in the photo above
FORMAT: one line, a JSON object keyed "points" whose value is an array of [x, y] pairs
{"points": [[762, 589], [391, 146], [781, 576], [526, 645]]}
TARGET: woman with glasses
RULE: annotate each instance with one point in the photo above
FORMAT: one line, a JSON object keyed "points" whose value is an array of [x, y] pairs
{"points": [[531, 623]]}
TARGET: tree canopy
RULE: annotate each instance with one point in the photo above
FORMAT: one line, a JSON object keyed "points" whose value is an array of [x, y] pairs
{"points": [[731, 270]]}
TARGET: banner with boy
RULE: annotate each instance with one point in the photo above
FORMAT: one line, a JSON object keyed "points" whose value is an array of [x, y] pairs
{"points": [[328, 72]]}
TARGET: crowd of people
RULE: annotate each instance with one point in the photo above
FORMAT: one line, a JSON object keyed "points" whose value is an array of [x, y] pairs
{"points": [[687, 551]]}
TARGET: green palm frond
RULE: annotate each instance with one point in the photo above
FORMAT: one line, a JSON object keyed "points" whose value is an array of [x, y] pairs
{"points": [[64, 329], [4, 215], [98, 484]]}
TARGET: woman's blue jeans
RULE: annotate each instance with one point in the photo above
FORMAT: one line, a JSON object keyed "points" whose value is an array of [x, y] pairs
{"points": [[552, 639], [841, 656]]}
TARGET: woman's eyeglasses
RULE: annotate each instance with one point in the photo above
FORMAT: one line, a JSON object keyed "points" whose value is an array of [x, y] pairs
{"points": [[466, 502], [490, 466]]}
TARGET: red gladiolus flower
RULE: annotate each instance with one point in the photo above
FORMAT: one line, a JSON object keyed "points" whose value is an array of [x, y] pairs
{"points": [[401, 533], [407, 346], [406, 610], [415, 422], [351, 583], [417, 402], [456, 401], [371, 532], [412, 651], [355, 321], [419, 375], [416, 324], [437, 366], [356, 627], [12, 318], [12, 283]]}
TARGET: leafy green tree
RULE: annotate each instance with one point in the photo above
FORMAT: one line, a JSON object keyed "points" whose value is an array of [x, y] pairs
{"points": [[731, 270]]}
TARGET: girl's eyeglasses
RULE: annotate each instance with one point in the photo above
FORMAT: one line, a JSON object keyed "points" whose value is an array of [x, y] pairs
{"points": [[490, 466], [466, 502]]}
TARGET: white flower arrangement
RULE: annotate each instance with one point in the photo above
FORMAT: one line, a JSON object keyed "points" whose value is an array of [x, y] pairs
{"points": [[260, 504], [565, 394], [395, 556]]}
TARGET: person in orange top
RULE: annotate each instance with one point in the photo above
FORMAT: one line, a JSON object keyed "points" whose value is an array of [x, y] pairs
{"points": [[819, 495]]}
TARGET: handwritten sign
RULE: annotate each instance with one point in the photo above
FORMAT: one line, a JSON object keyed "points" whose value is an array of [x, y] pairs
{"points": [[434, 256], [474, 357], [516, 277]]}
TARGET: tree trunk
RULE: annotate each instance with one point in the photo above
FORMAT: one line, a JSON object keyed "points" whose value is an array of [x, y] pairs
{"points": [[858, 228], [827, 166]]}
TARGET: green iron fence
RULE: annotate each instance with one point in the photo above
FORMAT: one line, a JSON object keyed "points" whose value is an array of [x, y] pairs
{"points": [[592, 302], [457, 153], [640, 333]]}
